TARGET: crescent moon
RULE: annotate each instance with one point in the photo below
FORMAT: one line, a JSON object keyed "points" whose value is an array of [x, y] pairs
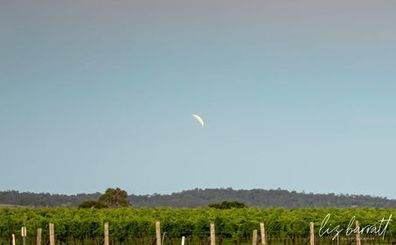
{"points": [[199, 119]]}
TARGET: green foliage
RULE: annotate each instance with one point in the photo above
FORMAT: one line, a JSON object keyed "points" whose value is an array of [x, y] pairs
{"points": [[92, 204], [227, 205], [114, 198], [127, 223]]}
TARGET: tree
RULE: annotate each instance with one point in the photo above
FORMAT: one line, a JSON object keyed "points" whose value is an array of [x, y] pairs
{"points": [[92, 204], [228, 205], [114, 198]]}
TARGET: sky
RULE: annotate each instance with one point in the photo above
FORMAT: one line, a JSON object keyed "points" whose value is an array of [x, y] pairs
{"points": [[298, 95]]}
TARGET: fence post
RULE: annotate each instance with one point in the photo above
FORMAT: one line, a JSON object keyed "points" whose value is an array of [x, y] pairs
{"points": [[38, 238], [254, 238], [158, 232], [106, 234], [13, 239], [183, 240], [262, 232], [23, 234], [312, 233], [358, 233], [212, 234], [52, 234]]}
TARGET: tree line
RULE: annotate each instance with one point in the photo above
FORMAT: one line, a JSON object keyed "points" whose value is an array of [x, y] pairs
{"points": [[203, 197]]}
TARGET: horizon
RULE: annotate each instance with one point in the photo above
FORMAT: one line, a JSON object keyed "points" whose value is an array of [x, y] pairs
{"points": [[204, 189], [295, 95]]}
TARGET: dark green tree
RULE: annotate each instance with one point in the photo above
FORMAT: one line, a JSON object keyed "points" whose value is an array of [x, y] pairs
{"points": [[92, 204], [115, 198], [228, 205]]}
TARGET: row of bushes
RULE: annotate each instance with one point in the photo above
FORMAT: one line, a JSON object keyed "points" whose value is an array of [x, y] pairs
{"points": [[137, 223]]}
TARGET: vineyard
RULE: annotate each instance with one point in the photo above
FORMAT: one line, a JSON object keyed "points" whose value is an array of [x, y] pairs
{"points": [[233, 226]]}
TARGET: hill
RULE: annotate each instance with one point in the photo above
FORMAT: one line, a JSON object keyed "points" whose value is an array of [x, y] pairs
{"points": [[202, 197]]}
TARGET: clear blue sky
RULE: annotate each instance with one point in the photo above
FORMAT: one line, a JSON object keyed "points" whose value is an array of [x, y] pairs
{"points": [[299, 95]]}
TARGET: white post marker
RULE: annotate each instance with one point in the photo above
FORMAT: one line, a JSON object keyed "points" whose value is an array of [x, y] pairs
{"points": [[183, 240], [23, 231], [23, 234]]}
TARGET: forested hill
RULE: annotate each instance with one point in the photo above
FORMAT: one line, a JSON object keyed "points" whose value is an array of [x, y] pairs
{"points": [[203, 197], [260, 198]]}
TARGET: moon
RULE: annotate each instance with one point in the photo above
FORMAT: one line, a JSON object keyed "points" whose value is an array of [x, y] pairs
{"points": [[199, 119]]}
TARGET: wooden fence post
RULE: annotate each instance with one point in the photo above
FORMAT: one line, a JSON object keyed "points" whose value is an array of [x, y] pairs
{"points": [[13, 239], [23, 234], [183, 240], [262, 232], [158, 232], [312, 233], [212, 234], [254, 238], [52, 234], [358, 233], [38, 237], [106, 234]]}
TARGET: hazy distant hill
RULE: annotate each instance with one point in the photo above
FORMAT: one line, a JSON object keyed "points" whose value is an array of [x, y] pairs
{"points": [[202, 197], [43, 199]]}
